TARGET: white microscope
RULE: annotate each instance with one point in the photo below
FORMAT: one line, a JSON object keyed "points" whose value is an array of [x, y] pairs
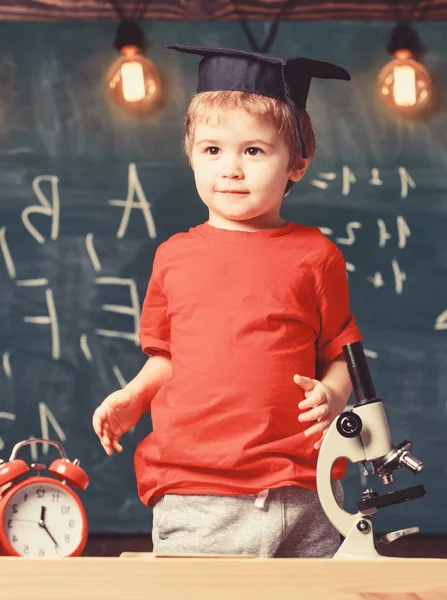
{"points": [[360, 435]]}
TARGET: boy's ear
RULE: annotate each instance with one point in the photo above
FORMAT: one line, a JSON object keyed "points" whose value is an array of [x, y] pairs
{"points": [[299, 169]]}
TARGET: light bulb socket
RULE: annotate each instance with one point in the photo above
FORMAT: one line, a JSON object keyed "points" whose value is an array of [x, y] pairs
{"points": [[404, 37], [129, 34]]}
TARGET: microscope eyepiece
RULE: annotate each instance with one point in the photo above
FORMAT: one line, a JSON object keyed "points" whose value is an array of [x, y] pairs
{"points": [[359, 374]]}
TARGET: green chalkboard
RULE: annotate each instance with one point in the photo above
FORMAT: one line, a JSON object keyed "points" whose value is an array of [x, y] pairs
{"points": [[73, 253]]}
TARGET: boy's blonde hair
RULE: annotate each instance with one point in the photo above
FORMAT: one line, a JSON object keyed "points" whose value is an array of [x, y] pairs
{"points": [[259, 106]]}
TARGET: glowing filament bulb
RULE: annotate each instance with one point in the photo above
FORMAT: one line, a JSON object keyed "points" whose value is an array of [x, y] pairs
{"points": [[133, 81], [404, 88], [404, 83]]}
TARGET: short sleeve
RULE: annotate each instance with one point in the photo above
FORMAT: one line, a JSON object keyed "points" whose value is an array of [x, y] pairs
{"points": [[337, 324], [154, 324]]}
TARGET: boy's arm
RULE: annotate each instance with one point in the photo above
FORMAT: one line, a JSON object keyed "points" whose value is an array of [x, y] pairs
{"points": [[155, 373], [122, 409], [336, 378], [324, 399]]}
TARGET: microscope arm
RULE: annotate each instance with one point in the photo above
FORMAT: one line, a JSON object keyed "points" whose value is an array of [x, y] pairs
{"points": [[335, 446]]}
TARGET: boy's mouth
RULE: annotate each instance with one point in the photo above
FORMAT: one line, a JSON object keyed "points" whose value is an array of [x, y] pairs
{"points": [[241, 192]]}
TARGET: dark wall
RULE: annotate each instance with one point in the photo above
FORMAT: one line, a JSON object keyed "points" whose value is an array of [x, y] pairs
{"points": [[62, 143]]}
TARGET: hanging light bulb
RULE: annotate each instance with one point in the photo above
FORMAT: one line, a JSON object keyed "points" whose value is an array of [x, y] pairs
{"points": [[404, 83], [133, 80]]}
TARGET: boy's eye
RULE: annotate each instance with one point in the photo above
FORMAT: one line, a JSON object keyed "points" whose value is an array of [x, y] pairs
{"points": [[253, 151], [212, 150]]}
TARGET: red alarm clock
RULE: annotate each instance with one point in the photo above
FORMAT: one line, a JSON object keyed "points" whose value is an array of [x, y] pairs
{"points": [[41, 516]]}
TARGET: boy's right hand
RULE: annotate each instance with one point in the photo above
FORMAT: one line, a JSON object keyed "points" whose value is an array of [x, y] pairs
{"points": [[118, 413]]}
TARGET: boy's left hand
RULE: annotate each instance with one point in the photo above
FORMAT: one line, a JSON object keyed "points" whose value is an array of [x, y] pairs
{"points": [[318, 399]]}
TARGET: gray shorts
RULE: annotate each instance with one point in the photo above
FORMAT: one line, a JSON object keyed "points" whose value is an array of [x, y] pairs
{"points": [[288, 523]]}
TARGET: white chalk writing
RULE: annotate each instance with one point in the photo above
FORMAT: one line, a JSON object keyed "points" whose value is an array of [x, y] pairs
{"points": [[10, 417], [45, 208], [134, 189], [133, 310], [6, 254], [46, 419], [51, 320], [92, 252]]}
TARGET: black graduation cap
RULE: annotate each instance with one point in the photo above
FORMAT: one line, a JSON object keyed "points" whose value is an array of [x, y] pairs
{"points": [[286, 78]]}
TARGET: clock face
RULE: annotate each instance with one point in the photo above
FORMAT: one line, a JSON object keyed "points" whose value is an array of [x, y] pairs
{"points": [[44, 520]]}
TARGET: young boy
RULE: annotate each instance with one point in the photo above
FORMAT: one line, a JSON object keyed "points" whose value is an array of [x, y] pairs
{"points": [[244, 320]]}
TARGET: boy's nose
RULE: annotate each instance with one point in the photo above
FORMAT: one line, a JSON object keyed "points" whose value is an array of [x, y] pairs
{"points": [[232, 170]]}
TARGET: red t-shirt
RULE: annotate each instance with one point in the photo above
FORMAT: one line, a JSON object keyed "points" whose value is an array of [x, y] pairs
{"points": [[240, 313]]}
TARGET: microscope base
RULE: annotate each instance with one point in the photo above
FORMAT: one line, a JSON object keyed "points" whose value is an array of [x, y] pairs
{"points": [[359, 544]]}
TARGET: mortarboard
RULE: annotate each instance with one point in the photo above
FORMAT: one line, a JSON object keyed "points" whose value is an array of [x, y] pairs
{"points": [[286, 78]]}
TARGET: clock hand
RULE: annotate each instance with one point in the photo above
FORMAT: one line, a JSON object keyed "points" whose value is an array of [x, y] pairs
{"points": [[26, 521], [42, 524], [46, 529]]}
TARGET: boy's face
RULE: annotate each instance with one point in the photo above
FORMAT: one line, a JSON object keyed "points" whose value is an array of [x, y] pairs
{"points": [[240, 165]]}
